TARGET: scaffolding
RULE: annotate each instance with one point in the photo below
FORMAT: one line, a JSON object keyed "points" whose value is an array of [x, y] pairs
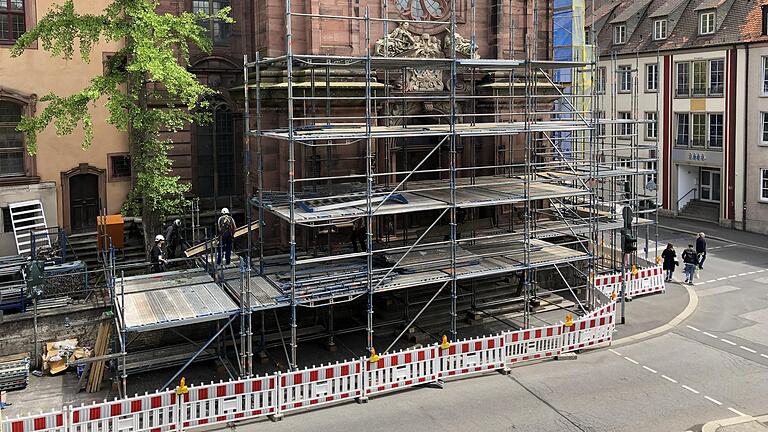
{"points": [[411, 118], [418, 167]]}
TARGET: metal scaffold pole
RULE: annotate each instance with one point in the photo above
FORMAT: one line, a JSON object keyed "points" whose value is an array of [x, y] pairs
{"points": [[291, 181], [368, 181], [453, 120]]}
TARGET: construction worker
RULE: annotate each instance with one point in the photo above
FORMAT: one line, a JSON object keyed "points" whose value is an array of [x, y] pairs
{"points": [[156, 257], [359, 236], [227, 228], [173, 238]]}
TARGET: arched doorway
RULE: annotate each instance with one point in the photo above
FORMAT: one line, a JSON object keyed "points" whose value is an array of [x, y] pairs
{"points": [[83, 194], [83, 201]]}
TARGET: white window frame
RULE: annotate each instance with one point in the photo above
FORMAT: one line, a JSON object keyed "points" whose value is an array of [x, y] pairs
{"points": [[763, 128], [707, 23], [660, 29], [619, 34], [654, 125], [764, 90], [621, 72], [602, 79], [763, 191], [626, 130], [655, 67], [651, 165]]}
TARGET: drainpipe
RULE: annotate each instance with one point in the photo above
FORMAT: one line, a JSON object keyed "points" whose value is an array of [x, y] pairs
{"points": [[746, 138]]}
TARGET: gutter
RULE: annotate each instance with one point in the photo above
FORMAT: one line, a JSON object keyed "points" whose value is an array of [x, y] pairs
{"points": [[746, 138]]}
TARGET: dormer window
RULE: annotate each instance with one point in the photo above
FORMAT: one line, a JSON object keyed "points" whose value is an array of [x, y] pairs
{"points": [[660, 29], [707, 23], [619, 34]]}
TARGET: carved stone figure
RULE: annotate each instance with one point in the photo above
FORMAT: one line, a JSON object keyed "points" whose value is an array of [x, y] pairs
{"points": [[428, 46], [397, 42], [463, 46]]}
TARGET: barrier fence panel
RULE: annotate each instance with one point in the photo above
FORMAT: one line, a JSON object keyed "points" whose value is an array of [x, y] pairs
{"points": [[533, 344], [590, 330], [54, 421], [647, 281], [309, 388], [320, 385], [154, 412], [229, 401], [472, 356], [401, 369]]}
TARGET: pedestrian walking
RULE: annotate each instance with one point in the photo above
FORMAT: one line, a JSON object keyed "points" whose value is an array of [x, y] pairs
{"points": [[701, 249], [173, 238], [156, 257], [691, 261], [227, 228], [670, 262]]}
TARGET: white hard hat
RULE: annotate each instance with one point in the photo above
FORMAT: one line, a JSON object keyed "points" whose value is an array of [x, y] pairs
{"points": [[225, 211], [177, 222], [159, 237]]}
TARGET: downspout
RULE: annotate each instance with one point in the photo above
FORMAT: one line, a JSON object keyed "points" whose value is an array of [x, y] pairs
{"points": [[746, 139]]}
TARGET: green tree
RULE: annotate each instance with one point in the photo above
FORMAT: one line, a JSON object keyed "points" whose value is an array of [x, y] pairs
{"points": [[146, 88]]}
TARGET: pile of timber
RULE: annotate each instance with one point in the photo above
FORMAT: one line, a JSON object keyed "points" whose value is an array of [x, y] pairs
{"points": [[97, 368], [14, 372]]}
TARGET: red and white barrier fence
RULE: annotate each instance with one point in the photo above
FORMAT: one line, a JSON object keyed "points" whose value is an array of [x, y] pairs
{"points": [[284, 392], [648, 280]]}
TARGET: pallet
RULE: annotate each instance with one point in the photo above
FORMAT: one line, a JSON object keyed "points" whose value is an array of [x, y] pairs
{"points": [[211, 244]]}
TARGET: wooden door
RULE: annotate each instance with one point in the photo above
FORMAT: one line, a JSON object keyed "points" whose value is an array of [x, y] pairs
{"points": [[83, 202]]}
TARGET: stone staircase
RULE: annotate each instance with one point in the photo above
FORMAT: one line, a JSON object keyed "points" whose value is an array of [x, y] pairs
{"points": [[701, 210]]}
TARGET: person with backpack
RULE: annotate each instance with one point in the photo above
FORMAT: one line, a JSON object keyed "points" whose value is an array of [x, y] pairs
{"points": [[691, 261], [701, 249], [173, 238], [227, 228], [669, 257]]}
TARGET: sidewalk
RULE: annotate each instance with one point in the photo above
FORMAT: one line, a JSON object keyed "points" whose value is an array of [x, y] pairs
{"points": [[738, 424], [714, 231]]}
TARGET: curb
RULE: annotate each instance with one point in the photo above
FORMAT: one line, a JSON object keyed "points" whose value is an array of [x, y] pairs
{"points": [[714, 425], [693, 302], [725, 240]]}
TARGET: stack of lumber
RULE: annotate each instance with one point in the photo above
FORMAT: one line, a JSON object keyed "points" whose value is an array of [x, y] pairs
{"points": [[14, 371], [97, 368]]}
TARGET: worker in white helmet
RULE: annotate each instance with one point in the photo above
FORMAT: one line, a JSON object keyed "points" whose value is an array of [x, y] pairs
{"points": [[156, 257], [227, 228], [173, 238]]}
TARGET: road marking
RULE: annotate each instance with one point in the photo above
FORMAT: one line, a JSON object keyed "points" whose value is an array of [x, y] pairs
{"points": [[747, 349], [728, 342], [693, 328], [709, 334], [742, 274], [760, 271], [669, 379], [731, 276], [763, 355], [649, 369], [690, 389], [631, 361], [709, 281], [614, 351], [722, 278], [751, 273], [714, 401], [737, 412]]}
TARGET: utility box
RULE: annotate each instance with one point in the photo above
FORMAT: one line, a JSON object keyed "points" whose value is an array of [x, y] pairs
{"points": [[114, 227]]}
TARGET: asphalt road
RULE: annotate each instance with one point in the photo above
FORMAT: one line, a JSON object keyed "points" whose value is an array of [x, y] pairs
{"points": [[711, 366]]}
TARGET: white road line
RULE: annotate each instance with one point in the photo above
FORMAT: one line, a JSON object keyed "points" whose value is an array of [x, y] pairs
{"points": [[690, 389], [693, 328], [714, 401], [751, 273], [728, 342], [649, 369], [614, 351], [742, 274], [630, 360], [760, 271], [763, 355], [709, 334], [710, 281], [669, 379], [722, 278], [737, 412], [731, 276], [747, 349]]}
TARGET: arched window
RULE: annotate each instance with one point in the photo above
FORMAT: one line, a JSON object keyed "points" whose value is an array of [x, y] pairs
{"points": [[216, 154], [11, 141]]}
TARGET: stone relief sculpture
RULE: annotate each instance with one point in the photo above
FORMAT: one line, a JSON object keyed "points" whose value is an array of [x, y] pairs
{"points": [[402, 42]]}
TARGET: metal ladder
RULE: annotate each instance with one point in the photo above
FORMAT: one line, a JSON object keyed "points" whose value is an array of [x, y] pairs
{"points": [[28, 217]]}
